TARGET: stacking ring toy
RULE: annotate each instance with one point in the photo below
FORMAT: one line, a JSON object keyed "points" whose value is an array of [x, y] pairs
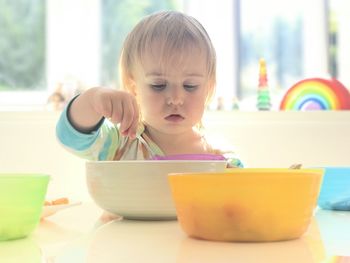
{"points": [[316, 94]]}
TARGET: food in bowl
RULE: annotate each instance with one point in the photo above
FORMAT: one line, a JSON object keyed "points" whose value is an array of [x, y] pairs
{"points": [[58, 201], [51, 207], [335, 189], [21, 201], [140, 189], [249, 205], [203, 156]]}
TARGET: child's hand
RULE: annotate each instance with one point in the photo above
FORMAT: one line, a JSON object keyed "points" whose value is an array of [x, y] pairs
{"points": [[118, 106]]}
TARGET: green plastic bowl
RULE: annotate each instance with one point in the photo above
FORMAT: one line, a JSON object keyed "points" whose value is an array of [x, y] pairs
{"points": [[21, 201]]}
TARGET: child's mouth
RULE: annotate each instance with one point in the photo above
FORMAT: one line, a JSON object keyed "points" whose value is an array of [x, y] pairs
{"points": [[174, 118]]}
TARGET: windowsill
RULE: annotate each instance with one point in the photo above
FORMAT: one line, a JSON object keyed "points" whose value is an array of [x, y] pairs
{"points": [[212, 116], [280, 116], [23, 100], [23, 108]]}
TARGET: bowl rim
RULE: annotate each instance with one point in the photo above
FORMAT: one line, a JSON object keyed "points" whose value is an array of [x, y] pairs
{"points": [[331, 167], [24, 175], [255, 171], [153, 161]]}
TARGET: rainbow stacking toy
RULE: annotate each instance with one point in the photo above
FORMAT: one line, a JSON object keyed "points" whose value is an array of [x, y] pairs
{"points": [[316, 94], [264, 101]]}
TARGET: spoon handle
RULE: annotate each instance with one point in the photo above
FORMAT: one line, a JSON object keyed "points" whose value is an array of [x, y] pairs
{"points": [[296, 166]]}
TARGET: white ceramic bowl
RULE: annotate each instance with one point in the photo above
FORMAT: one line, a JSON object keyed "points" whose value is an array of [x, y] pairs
{"points": [[140, 189]]}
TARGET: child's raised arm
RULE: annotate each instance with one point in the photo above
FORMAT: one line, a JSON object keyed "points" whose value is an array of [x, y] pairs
{"points": [[118, 106]]}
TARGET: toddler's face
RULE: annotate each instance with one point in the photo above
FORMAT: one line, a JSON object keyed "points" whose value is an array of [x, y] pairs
{"points": [[172, 94]]}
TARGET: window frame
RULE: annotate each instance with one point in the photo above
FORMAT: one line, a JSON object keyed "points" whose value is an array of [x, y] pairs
{"points": [[86, 14]]}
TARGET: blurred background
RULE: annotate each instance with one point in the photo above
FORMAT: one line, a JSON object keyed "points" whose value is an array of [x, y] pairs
{"points": [[51, 50]]}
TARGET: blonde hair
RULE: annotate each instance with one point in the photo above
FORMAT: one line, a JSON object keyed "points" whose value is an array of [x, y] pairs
{"points": [[174, 31]]}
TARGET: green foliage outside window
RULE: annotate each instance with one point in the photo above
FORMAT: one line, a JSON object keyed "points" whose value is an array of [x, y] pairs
{"points": [[22, 45], [118, 18]]}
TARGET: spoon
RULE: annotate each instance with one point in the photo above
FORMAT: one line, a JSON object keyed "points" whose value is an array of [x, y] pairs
{"points": [[296, 166]]}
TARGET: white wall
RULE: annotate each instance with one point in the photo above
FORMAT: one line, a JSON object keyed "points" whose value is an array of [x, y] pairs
{"points": [[73, 43], [262, 139], [219, 28], [270, 139], [28, 144]]}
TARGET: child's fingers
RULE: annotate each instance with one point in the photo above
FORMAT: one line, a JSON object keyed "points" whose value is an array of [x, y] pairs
{"points": [[104, 106], [133, 128], [128, 116], [117, 111], [119, 107], [131, 132]]}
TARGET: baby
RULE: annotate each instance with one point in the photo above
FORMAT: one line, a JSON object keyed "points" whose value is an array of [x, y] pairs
{"points": [[168, 75]]}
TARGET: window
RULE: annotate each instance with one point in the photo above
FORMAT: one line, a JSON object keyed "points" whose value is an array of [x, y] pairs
{"points": [[272, 30], [22, 47], [47, 44], [117, 19], [339, 40]]}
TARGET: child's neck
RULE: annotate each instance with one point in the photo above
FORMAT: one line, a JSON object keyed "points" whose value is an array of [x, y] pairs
{"points": [[184, 143]]}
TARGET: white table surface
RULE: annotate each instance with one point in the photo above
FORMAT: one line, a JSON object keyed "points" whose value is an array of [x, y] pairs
{"points": [[78, 235]]}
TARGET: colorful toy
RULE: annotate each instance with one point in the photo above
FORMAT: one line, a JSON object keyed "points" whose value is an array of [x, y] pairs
{"points": [[337, 259], [264, 101], [316, 94]]}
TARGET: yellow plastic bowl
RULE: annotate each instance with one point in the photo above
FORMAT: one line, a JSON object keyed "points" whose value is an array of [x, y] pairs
{"points": [[21, 201], [248, 205]]}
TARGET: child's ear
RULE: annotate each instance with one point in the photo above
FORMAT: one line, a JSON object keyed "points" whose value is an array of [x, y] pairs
{"points": [[211, 88], [132, 87]]}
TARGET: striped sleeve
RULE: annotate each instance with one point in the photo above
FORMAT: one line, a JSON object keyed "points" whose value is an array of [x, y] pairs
{"points": [[100, 144], [233, 161]]}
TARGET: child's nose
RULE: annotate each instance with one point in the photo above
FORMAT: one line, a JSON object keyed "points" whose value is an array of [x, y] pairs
{"points": [[176, 96]]}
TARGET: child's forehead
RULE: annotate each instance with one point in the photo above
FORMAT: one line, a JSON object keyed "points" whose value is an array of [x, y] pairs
{"points": [[176, 47], [189, 60]]}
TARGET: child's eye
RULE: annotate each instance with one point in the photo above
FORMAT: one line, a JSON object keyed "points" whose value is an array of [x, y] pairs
{"points": [[158, 87], [190, 87]]}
